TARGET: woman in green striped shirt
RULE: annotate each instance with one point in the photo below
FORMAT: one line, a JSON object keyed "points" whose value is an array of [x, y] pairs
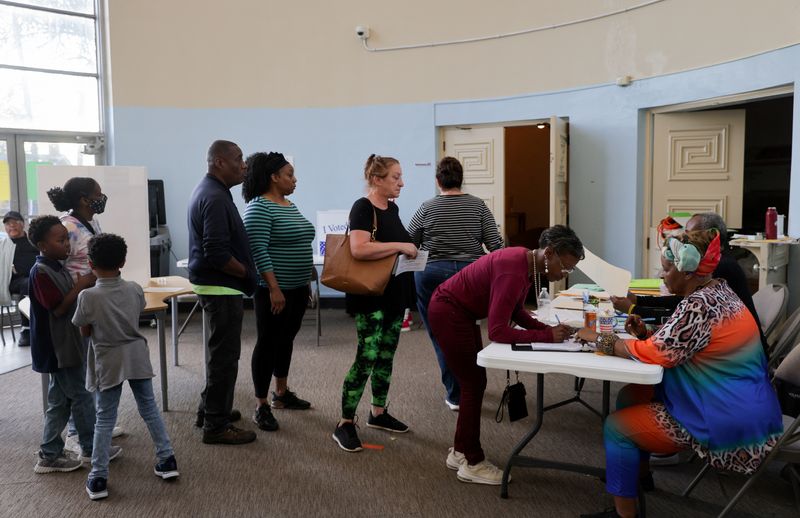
{"points": [[280, 242]]}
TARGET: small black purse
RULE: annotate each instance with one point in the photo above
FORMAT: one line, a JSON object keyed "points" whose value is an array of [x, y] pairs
{"points": [[514, 398]]}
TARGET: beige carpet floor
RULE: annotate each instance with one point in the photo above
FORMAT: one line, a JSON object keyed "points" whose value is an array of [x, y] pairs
{"points": [[299, 470]]}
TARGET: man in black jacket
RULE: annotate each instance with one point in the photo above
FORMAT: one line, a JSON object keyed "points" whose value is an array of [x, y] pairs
{"points": [[728, 269], [24, 257], [222, 271]]}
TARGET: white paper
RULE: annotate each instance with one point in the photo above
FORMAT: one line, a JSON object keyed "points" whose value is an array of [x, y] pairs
{"points": [[406, 264], [611, 278], [568, 303], [160, 289]]}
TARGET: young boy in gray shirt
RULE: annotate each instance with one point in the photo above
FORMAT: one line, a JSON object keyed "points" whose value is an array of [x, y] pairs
{"points": [[109, 314]]}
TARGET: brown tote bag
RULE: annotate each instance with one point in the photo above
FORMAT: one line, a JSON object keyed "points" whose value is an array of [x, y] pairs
{"points": [[342, 272]]}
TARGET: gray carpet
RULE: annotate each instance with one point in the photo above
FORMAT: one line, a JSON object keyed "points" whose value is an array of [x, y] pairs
{"points": [[299, 470]]}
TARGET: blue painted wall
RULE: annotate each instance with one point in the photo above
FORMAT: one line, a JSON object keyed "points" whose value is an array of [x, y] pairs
{"points": [[330, 145]]}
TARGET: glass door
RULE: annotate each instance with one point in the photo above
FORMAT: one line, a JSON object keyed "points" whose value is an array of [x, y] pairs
{"points": [[38, 151], [8, 184]]}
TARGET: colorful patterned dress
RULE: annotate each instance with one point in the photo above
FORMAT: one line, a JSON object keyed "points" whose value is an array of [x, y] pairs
{"points": [[715, 384]]}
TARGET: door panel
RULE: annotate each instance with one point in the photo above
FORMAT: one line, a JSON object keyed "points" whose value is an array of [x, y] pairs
{"points": [[559, 180], [481, 153], [698, 166]]}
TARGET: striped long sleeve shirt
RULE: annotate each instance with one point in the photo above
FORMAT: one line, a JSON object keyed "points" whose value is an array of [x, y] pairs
{"points": [[454, 227], [280, 241]]}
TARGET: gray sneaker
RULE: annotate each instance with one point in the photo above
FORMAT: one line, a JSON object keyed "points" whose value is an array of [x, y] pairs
{"points": [[113, 453], [61, 463]]}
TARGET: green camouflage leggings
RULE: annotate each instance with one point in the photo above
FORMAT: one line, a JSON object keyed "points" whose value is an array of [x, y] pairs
{"points": [[378, 334]]}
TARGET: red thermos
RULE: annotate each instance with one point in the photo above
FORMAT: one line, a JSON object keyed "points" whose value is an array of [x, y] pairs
{"points": [[771, 224]]}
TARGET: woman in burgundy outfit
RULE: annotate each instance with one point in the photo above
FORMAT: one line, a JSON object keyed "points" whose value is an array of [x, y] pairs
{"points": [[494, 287]]}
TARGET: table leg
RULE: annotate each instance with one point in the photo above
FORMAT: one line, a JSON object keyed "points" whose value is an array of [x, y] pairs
{"points": [[537, 424], [606, 398], [174, 327], [162, 358]]}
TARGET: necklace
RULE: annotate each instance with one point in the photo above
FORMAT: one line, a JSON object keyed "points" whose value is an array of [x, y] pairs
{"points": [[537, 282], [701, 286]]}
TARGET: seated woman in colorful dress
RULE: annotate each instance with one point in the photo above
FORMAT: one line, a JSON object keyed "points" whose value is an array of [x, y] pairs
{"points": [[715, 397]]}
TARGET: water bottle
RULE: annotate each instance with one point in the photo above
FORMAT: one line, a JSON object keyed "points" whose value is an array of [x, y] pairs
{"points": [[771, 224], [543, 306]]}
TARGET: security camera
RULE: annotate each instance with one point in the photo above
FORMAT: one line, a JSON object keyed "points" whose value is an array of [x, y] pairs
{"points": [[362, 32]]}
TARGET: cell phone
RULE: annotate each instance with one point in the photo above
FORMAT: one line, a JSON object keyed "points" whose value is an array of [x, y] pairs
{"points": [[521, 347]]}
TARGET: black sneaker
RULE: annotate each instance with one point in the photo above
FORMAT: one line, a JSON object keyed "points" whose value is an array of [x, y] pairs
{"points": [[347, 438], [230, 435], [264, 419], [386, 422], [289, 401], [96, 488], [167, 469], [201, 417], [24, 339]]}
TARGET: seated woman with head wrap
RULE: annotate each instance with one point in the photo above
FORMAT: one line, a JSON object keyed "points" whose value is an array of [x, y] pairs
{"points": [[715, 397]]}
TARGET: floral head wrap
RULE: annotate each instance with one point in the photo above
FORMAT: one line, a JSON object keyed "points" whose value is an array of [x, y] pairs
{"points": [[687, 256]]}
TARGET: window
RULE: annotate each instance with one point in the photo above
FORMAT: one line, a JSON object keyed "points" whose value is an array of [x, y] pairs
{"points": [[50, 92]]}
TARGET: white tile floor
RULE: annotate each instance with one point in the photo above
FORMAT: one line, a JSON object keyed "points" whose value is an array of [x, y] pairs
{"points": [[11, 356]]}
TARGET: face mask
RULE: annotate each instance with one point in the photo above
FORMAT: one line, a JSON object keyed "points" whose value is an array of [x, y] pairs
{"points": [[98, 206]]}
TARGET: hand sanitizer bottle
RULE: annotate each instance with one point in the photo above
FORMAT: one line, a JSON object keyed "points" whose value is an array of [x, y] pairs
{"points": [[543, 306]]}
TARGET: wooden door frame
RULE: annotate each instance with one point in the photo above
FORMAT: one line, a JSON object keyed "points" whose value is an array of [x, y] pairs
{"points": [[508, 124], [698, 105]]}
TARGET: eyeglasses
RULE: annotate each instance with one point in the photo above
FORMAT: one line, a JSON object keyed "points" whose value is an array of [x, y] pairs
{"points": [[563, 270]]}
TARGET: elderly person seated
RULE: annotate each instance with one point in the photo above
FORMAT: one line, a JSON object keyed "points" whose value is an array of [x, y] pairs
{"points": [[715, 397], [728, 269], [22, 259]]}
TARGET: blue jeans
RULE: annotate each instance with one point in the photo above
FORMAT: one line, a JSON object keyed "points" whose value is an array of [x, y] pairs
{"points": [[427, 281], [107, 404], [67, 395]]}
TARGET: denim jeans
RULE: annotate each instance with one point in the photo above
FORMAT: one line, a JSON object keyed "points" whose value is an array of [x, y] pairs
{"points": [[67, 395], [225, 314], [107, 404], [427, 281]]}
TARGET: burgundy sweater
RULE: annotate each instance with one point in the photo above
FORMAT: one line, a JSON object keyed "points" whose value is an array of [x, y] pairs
{"points": [[495, 286]]}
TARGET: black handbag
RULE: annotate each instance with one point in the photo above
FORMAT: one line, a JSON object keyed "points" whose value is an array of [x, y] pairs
{"points": [[514, 398]]}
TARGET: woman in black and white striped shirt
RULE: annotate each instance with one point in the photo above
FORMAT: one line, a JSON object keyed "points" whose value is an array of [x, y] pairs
{"points": [[453, 227]]}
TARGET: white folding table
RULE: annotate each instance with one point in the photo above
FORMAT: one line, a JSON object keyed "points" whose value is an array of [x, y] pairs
{"points": [[581, 364]]}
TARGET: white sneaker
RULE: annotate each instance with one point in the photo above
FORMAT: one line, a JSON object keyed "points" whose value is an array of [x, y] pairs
{"points": [[483, 472], [455, 459], [117, 431], [72, 445], [451, 406]]}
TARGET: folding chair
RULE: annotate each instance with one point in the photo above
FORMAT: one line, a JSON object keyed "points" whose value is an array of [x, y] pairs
{"points": [[784, 338], [787, 448], [770, 302]]}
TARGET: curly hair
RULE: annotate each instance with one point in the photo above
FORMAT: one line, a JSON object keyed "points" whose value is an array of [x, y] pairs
{"points": [[39, 227], [69, 197], [449, 173], [107, 251], [260, 168], [562, 240]]}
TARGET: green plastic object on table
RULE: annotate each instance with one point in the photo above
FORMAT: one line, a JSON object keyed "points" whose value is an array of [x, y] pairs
{"points": [[645, 284], [589, 287]]}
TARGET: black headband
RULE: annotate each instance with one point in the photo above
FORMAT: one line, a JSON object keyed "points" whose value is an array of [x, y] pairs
{"points": [[274, 162]]}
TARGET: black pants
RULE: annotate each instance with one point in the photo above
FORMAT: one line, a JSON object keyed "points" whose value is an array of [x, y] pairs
{"points": [[225, 314], [273, 351]]}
